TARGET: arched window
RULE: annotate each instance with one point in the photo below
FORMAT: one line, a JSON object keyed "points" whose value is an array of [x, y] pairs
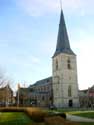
{"points": [[56, 64], [69, 64], [69, 91], [56, 78]]}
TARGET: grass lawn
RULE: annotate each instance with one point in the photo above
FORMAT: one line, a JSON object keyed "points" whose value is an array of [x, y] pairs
{"points": [[85, 123], [14, 118], [70, 110], [84, 114], [20, 118], [80, 112], [87, 114]]}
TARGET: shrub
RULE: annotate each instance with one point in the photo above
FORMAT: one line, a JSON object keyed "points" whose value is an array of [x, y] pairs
{"points": [[63, 115], [11, 109], [71, 123], [54, 120], [36, 114]]}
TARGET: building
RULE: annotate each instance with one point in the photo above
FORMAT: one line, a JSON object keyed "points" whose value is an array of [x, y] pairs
{"points": [[86, 97], [64, 69], [83, 98], [38, 94], [22, 97], [41, 93], [60, 90], [64, 77], [6, 96]]}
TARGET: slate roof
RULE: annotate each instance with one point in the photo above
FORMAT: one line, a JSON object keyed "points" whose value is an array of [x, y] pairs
{"points": [[39, 93], [42, 82], [63, 45]]}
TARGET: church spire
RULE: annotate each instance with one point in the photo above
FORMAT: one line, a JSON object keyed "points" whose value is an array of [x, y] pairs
{"points": [[63, 45], [61, 4]]}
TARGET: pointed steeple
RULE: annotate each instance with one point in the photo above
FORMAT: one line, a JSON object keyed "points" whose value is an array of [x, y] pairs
{"points": [[63, 45]]}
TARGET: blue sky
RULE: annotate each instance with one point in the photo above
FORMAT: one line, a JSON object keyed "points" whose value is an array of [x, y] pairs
{"points": [[28, 35]]}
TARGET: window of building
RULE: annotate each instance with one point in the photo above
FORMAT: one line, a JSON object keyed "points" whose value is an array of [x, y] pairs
{"points": [[47, 80], [69, 91], [31, 89], [43, 98], [69, 64], [56, 64]]}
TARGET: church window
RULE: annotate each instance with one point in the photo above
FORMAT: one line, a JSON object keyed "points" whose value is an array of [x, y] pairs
{"points": [[69, 91], [56, 65], [43, 98], [69, 64]]}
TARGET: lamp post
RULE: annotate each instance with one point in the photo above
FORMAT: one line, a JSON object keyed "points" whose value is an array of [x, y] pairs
{"points": [[18, 94], [7, 97]]}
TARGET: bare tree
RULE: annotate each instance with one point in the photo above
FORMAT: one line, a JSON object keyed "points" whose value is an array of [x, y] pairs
{"points": [[6, 92], [4, 80]]}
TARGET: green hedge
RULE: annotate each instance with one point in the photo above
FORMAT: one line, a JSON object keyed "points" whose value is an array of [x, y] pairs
{"points": [[36, 114]]}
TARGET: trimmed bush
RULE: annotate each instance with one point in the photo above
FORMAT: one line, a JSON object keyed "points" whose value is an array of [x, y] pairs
{"points": [[36, 114], [54, 120], [63, 115], [11, 109], [71, 123]]}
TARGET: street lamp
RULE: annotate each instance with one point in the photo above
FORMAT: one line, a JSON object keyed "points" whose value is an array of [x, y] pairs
{"points": [[18, 94]]}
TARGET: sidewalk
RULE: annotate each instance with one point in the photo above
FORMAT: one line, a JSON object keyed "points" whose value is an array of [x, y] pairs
{"points": [[78, 118]]}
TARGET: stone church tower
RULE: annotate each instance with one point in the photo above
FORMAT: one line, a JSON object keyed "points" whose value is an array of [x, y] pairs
{"points": [[65, 85]]}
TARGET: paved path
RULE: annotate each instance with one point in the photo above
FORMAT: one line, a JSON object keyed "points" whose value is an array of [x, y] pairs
{"points": [[78, 118]]}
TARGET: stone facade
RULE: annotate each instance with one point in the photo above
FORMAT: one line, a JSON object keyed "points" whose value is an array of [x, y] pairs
{"points": [[83, 98], [38, 94], [64, 69], [86, 98], [41, 93], [6, 96], [65, 87], [22, 97]]}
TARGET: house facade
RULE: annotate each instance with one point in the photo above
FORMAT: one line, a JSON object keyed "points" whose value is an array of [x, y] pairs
{"points": [[38, 94], [6, 96], [86, 97]]}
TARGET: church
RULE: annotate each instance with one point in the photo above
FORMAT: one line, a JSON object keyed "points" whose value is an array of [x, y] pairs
{"points": [[64, 71], [60, 90]]}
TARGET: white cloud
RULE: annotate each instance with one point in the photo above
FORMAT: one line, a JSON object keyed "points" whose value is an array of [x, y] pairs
{"points": [[40, 7], [48, 47], [26, 61], [85, 52], [21, 60]]}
